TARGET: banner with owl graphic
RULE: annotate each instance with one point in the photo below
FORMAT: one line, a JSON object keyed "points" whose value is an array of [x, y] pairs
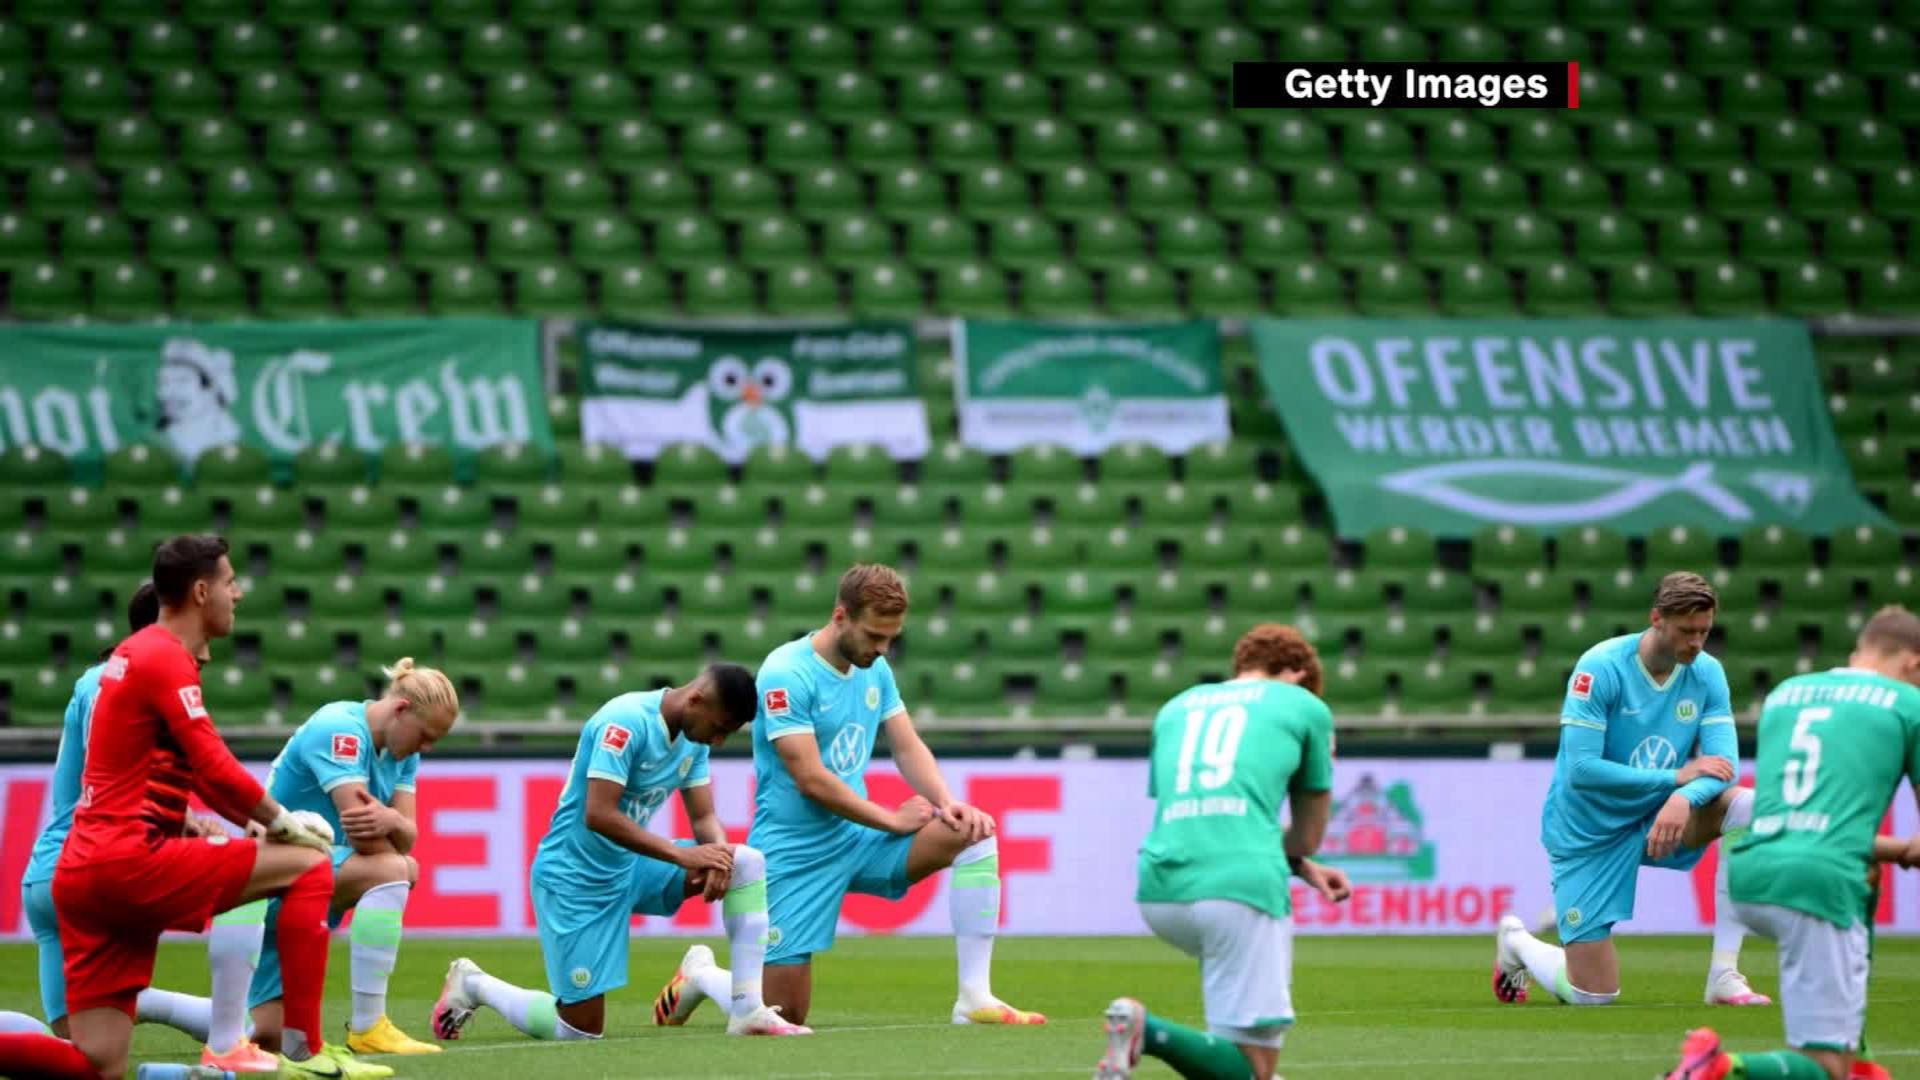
{"points": [[1086, 388], [645, 388]]}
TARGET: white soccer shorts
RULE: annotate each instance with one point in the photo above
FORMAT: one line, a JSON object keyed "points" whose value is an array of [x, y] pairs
{"points": [[1823, 975], [1246, 965]]}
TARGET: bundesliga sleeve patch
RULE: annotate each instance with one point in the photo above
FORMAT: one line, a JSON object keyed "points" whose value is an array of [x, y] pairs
{"points": [[614, 738], [346, 748], [190, 698], [776, 701], [1582, 685]]}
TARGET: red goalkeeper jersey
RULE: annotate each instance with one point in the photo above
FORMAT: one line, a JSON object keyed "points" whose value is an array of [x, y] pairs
{"points": [[151, 745]]}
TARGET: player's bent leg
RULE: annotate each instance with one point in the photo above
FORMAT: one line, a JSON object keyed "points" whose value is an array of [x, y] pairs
{"points": [[973, 906], [376, 886], [534, 1013], [1727, 817], [103, 1034], [1592, 972], [1519, 956], [787, 985], [37, 901]]}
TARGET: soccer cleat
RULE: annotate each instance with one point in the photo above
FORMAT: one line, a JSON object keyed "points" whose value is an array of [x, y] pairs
{"points": [[1868, 1070], [455, 1006], [1125, 1023], [244, 1057], [994, 1011], [1701, 1057], [676, 1001], [331, 1063], [765, 1020], [1729, 987], [1509, 974], [384, 1038]]}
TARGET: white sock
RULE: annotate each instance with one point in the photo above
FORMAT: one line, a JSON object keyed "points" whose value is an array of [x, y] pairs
{"points": [[744, 911], [293, 1044], [565, 1032], [181, 1011], [716, 983], [1728, 932], [532, 1012], [375, 946], [973, 903], [233, 952]]}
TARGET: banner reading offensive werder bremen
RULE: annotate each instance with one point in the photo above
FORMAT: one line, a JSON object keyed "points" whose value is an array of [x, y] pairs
{"points": [[1087, 388], [464, 384], [1456, 425], [648, 387]]}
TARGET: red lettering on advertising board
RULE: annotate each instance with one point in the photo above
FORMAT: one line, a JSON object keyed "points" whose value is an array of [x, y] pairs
{"points": [[1000, 796], [1398, 906], [438, 850], [19, 828]]}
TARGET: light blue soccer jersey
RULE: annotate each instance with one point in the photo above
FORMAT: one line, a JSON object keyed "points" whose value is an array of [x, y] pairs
{"points": [[801, 692], [67, 767], [1622, 738], [332, 748], [626, 742]]}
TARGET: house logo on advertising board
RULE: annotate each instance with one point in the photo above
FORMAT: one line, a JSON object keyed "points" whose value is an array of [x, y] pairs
{"points": [[1377, 834]]}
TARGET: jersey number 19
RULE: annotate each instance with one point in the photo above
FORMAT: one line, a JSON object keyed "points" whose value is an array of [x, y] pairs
{"points": [[1214, 739]]}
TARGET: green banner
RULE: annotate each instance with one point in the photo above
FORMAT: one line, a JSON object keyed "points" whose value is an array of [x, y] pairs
{"points": [[1089, 387], [86, 391], [648, 387], [1549, 424]]}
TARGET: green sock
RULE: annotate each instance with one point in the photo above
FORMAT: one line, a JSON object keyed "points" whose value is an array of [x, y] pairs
{"points": [[1778, 1065], [1196, 1055]]}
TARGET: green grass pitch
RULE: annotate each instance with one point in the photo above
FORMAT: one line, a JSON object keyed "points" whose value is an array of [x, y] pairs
{"points": [[1412, 1007]]}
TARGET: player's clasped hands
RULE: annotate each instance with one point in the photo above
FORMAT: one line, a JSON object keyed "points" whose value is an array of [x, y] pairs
{"points": [[912, 815], [971, 820], [708, 859]]}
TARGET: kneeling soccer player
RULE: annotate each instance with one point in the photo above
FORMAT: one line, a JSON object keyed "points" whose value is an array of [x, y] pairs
{"points": [[355, 763], [1832, 749], [598, 866], [1625, 795], [1214, 868]]}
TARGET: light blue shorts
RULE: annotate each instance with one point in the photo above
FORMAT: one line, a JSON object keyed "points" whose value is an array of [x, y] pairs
{"points": [[266, 977], [37, 899], [583, 932], [1594, 888], [808, 878]]}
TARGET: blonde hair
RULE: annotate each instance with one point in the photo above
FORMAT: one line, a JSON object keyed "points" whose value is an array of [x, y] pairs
{"points": [[872, 587], [1892, 629], [425, 688]]}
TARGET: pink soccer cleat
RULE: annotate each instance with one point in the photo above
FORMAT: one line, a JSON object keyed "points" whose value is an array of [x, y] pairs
{"points": [[244, 1057], [455, 1005], [765, 1020], [1701, 1057]]}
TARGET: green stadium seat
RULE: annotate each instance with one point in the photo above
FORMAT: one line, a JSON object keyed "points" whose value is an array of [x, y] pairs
{"points": [[126, 291], [803, 290], [1681, 548], [1776, 241], [1644, 289], [971, 288], [1560, 289], [46, 292], [1822, 193], [1889, 289], [95, 241], [89, 94], [1056, 290], [1606, 239], [886, 290], [373, 290], [550, 289], [1810, 289], [1728, 289]]}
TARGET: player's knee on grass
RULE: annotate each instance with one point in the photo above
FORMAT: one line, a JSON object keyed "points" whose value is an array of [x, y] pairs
{"points": [[581, 1019]]}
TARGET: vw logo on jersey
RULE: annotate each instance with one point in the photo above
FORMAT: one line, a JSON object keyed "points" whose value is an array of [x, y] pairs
{"points": [[1654, 752], [848, 751], [1685, 710]]}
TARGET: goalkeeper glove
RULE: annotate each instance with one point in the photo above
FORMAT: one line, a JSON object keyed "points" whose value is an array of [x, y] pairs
{"points": [[288, 829]]}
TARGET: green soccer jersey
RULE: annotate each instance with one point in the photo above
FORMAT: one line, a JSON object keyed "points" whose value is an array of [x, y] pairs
{"points": [[1832, 749], [1225, 755]]}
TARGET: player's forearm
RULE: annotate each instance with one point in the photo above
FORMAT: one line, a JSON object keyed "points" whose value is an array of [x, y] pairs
{"points": [[707, 829], [264, 812], [1899, 850], [1717, 739], [620, 829], [1597, 775], [218, 778], [831, 794], [403, 835]]}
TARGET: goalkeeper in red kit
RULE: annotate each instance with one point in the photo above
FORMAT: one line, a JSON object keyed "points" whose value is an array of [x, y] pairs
{"points": [[128, 873]]}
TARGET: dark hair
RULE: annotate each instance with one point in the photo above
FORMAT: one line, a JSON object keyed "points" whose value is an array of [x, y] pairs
{"points": [[1684, 593], [183, 560], [1271, 648], [1892, 629], [143, 608], [733, 685], [872, 587]]}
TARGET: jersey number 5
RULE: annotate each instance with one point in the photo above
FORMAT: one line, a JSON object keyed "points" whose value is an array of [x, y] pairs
{"points": [[1214, 739], [1797, 775]]}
